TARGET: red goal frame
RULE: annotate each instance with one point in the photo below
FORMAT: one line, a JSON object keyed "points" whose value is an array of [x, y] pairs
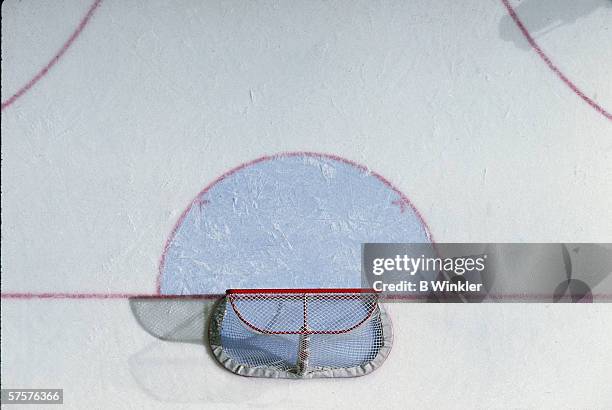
{"points": [[304, 294]]}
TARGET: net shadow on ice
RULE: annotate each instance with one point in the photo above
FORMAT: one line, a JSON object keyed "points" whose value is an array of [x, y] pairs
{"points": [[183, 320]]}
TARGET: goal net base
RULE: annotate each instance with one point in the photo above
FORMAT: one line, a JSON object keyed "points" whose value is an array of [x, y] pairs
{"points": [[300, 333]]}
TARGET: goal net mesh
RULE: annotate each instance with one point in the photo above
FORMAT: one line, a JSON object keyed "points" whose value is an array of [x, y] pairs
{"points": [[300, 333]]}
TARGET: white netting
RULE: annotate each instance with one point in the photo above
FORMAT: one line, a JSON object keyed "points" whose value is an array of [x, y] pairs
{"points": [[301, 333]]}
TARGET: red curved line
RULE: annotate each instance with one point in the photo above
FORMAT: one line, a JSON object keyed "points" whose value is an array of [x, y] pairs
{"points": [[232, 297], [550, 64], [55, 58], [232, 171]]}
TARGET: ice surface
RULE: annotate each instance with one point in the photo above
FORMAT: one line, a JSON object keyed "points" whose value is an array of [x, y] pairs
{"points": [[154, 100]]}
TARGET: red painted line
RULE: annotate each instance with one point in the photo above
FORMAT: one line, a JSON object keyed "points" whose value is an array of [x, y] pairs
{"points": [[64, 295], [404, 199], [55, 58], [211, 296], [550, 64], [493, 296]]}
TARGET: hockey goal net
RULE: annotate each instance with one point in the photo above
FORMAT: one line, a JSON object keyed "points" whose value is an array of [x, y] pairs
{"points": [[300, 333]]}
